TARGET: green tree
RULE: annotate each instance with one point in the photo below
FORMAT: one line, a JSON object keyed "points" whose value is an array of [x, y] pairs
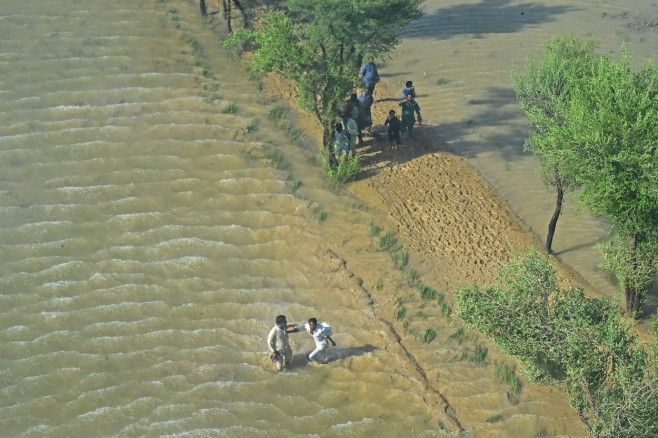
{"points": [[561, 336], [543, 89], [349, 30], [321, 44], [611, 132]]}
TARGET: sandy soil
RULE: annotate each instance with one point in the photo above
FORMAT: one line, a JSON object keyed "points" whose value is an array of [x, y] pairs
{"points": [[456, 228]]}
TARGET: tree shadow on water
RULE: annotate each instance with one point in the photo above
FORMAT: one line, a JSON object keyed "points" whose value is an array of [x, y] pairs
{"points": [[486, 17]]}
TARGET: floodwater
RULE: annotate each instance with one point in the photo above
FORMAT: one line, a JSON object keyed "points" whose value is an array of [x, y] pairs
{"points": [[148, 240]]}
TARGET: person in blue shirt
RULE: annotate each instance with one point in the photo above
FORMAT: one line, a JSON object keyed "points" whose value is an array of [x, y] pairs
{"points": [[409, 89], [369, 75]]}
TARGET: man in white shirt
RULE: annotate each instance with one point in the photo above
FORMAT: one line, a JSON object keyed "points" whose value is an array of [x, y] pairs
{"points": [[278, 343], [321, 333]]}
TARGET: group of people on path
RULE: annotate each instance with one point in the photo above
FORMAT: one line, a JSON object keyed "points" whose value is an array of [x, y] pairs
{"points": [[357, 115], [279, 344]]}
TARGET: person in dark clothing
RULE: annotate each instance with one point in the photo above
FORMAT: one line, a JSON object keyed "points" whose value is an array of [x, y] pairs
{"points": [[393, 129]]}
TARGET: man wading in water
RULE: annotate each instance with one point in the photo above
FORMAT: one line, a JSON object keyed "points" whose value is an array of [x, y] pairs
{"points": [[278, 343], [320, 333]]}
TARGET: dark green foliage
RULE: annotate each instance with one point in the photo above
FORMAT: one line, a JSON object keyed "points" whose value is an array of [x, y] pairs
{"points": [[563, 336], [430, 334], [347, 169], [426, 292]]}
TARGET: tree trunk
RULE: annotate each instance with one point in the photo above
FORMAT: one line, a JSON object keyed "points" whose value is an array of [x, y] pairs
{"points": [[556, 215], [202, 6], [226, 6], [245, 19]]}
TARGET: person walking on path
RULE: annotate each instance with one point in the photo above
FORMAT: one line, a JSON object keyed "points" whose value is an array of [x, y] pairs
{"points": [[369, 75], [352, 129], [409, 107], [321, 334], [277, 341], [393, 129], [365, 113]]}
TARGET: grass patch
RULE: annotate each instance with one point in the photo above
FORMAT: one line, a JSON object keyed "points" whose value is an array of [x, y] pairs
{"points": [[430, 334], [295, 185], [506, 374], [426, 292], [387, 240], [278, 113], [295, 133], [230, 108], [322, 215], [413, 274], [277, 158], [400, 312], [495, 418], [347, 170], [375, 230], [446, 309], [400, 259], [211, 94], [441, 81], [479, 355], [253, 126], [458, 335]]}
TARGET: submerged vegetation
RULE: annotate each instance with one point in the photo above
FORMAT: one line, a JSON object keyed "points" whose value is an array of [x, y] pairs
{"points": [[562, 337]]}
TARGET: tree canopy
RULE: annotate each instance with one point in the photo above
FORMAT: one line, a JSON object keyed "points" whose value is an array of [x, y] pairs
{"points": [[593, 122], [543, 89], [321, 44]]}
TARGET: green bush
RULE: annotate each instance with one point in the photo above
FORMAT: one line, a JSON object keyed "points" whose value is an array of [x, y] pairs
{"points": [[561, 336], [346, 171], [430, 334]]}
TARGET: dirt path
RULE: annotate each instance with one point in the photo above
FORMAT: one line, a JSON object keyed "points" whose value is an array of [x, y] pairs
{"points": [[456, 228]]}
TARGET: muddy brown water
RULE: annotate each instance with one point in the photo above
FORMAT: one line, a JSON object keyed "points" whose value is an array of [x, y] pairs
{"points": [[148, 242]]}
